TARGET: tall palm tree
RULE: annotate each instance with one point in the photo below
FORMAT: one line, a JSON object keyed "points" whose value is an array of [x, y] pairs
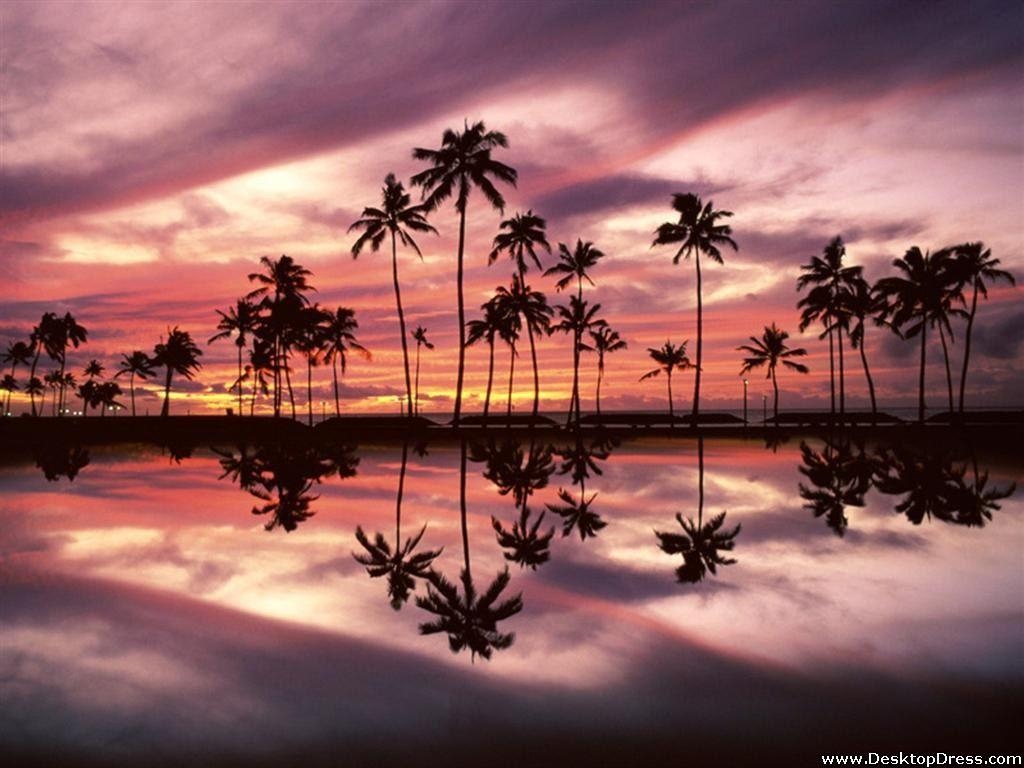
{"points": [[973, 265], [44, 338], [771, 349], [574, 265], [53, 382], [862, 302], [489, 327], [93, 370], [282, 287], [310, 339], [919, 298], [420, 334], [825, 303], [18, 353], [139, 364], [462, 162], [242, 321], [69, 332], [340, 339], [32, 388], [669, 358], [577, 320], [698, 231], [535, 313], [9, 385], [396, 218], [105, 397], [605, 342], [509, 328], [521, 236], [261, 365], [180, 355]]}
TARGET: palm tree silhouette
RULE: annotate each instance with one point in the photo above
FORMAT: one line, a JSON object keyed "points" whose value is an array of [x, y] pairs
{"points": [[669, 358], [53, 382], [241, 320], [58, 460], [577, 514], [261, 364], [509, 328], [9, 385], [700, 544], [826, 302], [139, 364], [838, 478], [922, 297], [521, 236], [578, 461], [924, 479], [179, 354], [44, 338], [698, 231], [401, 566], [471, 619], [340, 339], [106, 396], [398, 219], [535, 314], [605, 342], [973, 265], [863, 303], [577, 320], [420, 334], [462, 162], [32, 388], [771, 349], [90, 390], [973, 502], [310, 339], [67, 331], [282, 286], [493, 324], [524, 543], [18, 353]]}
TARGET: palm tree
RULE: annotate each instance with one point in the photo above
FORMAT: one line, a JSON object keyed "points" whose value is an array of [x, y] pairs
{"points": [[920, 298], [973, 265], [241, 320], [523, 234], [698, 231], [9, 385], [396, 218], [310, 337], [700, 544], [44, 338], [179, 354], [605, 342], [282, 286], [33, 388], [862, 302], [825, 302], [139, 364], [524, 543], [487, 329], [509, 328], [18, 353], [669, 358], [573, 265], [470, 620], [838, 477], [262, 364], [462, 162], [106, 396], [401, 566], [69, 332], [535, 313], [90, 388], [420, 334], [53, 381], [340, 339], [577, 515], [771, 349], [577, 319]]}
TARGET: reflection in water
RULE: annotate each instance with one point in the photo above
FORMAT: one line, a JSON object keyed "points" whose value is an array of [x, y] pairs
{"points": [[701, 543], [839, 475], [60, 460], [578, 461], [471, 619], [401, 566]]}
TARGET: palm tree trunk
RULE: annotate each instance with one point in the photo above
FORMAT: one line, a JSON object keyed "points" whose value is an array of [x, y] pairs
{"points": [[842, 382], [700, 342], [398, 500], [949, 374], [401, 323], [574, 400], [334, 371], [490, 380], [288, 380], [462, 510], [255, 388], [462, 321], [309, 387], [832, 371], [700, 481], [32, 375], [131, 386], [416, 409], [967, 347], [600, 374], [775, 409], [511, 373], [536, 374], [671, 412], [240, 412], [920, 396], [166, 410], [867, 374], [61, 390]]}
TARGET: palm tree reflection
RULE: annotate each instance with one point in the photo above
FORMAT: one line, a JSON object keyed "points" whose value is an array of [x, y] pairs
{"points": [[700, 543], [578, 461], [60, 460], [401, 566], [469, 619], [839, 477]]}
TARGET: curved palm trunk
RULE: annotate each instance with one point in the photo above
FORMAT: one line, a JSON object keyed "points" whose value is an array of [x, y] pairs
{"points": [[700, 343], [842, 383], [32, 375], [462, 321], [867, 374], [536, 374], [511, 374], [401, 326], [288, 381], [949, 374], [416, 403], [166, 410], [337, 399], [490, 379], [600, 375], [131, 387], [920, 396], [831, 371], [775, 408], [967, 347], [574, 400]]}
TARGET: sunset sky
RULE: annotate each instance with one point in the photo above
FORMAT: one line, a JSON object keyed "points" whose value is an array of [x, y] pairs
{"points": [[152, 153]]}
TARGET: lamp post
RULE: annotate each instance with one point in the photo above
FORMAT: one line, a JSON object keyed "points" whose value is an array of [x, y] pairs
{"points": [[745, 382]]}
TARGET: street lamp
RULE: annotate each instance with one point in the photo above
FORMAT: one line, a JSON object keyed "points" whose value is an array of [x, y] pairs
{"points": [[745, 382]]}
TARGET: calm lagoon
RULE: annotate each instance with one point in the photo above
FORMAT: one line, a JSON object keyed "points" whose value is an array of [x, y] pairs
{"points": [[206, 606]]}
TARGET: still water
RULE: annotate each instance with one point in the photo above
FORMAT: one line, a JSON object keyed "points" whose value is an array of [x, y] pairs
{"points": [[590, 601]]}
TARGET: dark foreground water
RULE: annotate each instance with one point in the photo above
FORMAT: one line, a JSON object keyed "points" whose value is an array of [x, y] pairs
{"points": [[667, 602]]}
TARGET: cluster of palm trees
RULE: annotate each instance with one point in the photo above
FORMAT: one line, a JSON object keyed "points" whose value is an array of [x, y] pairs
{"points": [[929, 291]]}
